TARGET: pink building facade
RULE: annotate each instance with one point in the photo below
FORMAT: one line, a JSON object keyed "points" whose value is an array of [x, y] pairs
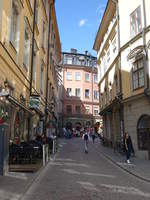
{"points": [[80, 90]]}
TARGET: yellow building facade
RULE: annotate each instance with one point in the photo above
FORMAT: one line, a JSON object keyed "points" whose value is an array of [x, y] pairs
{"points": [[30, 52]]}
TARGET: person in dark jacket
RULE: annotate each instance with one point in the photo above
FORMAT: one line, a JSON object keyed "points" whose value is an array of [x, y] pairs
{"points": [[128, 146]]}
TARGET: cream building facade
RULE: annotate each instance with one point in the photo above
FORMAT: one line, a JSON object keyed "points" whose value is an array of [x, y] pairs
{"points": [[30, 52], [124, 76]]}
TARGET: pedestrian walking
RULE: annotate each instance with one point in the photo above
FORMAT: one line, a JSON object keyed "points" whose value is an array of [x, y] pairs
{"points": [[128, 146], [86, 140]]}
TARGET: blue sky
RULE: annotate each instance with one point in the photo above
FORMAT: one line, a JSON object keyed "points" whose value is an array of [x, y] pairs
{"points": [[78, 22]]}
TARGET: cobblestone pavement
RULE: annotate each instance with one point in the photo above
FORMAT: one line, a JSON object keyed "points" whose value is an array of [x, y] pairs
{"points": [[74, 175]]}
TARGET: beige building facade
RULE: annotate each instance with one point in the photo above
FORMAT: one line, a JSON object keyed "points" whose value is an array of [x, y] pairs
{"points": [[30, 52], [124, 82]]}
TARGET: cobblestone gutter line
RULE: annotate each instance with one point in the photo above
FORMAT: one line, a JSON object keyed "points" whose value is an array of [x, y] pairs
{"points": [[128, 171]]}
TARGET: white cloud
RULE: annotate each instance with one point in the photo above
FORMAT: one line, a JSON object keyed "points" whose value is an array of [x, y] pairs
{"points": [[82, 22], [100, 9]]}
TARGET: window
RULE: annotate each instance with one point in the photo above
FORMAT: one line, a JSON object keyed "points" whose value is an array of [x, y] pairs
{"points": [[114, 45], [95, 94], [87, 77], [77, 92], [138, 74], [87, 110], [135, 22], [44, 36], [95, 78], [34, 63], [96, 112], [104, 65], [78, 109], [69, 76], [69, 109], [26, 47], [69, 61], [14, 34], [42, 78], [34, 67], [108, 55], [36, 14], [87, 93], [77, 76], [69, 92]]}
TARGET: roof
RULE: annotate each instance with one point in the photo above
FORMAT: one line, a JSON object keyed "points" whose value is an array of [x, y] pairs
{"points": [[108, 15]]}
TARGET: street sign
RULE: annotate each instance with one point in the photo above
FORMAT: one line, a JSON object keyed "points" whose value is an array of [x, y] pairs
{"points": [[35, 102], [4, 93]]}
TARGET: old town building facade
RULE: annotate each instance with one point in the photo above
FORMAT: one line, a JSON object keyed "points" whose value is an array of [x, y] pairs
{"points": [[30, 52], [80, 92], [122, 44]]}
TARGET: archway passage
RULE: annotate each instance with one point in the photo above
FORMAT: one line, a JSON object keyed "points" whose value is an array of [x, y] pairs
{"points": [[143, 133], [78, 126], [69, 125]]}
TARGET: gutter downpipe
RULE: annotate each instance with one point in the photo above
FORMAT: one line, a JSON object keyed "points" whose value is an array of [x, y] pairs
{"points": [[146, 54], [31, 72], [46, 113], [119, 95]]}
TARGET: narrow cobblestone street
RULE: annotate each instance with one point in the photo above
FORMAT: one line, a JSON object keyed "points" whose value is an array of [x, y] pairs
{"points": [[73, 175]]}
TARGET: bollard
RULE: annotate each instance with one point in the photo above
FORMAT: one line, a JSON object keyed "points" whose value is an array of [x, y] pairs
{"points": [[47, 159], [53, 146], [43, 154]]}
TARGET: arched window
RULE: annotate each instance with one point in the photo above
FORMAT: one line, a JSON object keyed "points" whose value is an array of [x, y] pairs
{"points": [[143, 131]]}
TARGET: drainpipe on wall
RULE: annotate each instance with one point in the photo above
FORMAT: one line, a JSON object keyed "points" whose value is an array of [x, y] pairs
{"points": [[119, 95], [47, 68], [31, 72], [146, 54]]}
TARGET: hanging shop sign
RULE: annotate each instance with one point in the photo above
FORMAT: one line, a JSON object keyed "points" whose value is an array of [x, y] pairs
{"points": [[35, 102], [4, 93]]}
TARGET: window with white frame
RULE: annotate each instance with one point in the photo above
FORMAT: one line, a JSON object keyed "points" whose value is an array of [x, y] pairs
{"points": [[26, 47], [138, 74], [31, 3], [42, 77], [104, 64], [34, 63], [36, 14], [69, 60], [69, 92], [135, 22], [14, 33], [95, 94], [114, 45], [96, 111], [87, 77], [77, 92], [108, 55], [95, 78], [87, 93], [69, 76], [77, 76], [87, 109], [44, 36]]}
